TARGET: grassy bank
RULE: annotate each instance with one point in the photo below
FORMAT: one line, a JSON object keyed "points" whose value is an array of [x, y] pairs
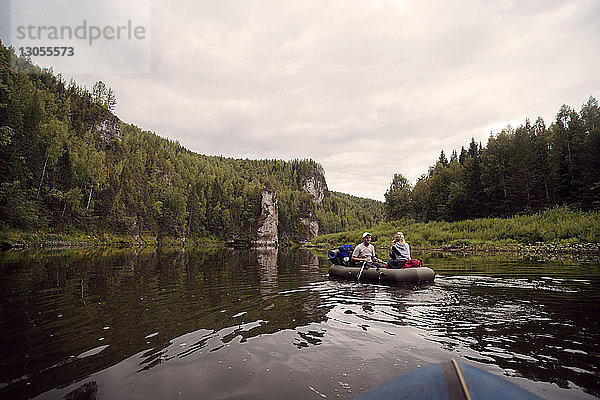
{"points": [[560, 226], [25, 239]]}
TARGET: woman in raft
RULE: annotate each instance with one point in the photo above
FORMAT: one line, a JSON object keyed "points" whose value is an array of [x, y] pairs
{"points": [[400, 253]]}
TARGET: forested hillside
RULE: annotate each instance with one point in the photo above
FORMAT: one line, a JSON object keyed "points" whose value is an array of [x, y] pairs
{"points": [[342, 212], [66, 162], [522, 170]]}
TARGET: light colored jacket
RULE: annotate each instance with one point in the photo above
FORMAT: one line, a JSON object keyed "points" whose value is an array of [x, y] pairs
{"points": [[400, 251]]}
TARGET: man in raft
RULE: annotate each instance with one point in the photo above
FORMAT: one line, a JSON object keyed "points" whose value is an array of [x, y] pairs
{"points": [[364, 253]]}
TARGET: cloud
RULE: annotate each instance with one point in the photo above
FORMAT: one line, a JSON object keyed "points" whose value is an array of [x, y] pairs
{"points": [[368, 89]]}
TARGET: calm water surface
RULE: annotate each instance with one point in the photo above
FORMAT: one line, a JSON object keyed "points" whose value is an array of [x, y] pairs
{"points": [[217, 323]]}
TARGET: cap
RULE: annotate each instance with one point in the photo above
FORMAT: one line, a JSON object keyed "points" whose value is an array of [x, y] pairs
{"points": [[366, 234]]}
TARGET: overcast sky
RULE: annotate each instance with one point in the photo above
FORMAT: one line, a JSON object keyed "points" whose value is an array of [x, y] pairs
{"points": [[366, 88]]}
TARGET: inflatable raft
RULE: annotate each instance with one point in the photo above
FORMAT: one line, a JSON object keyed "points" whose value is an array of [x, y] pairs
{"points": [[448, 380], [419, 274]]}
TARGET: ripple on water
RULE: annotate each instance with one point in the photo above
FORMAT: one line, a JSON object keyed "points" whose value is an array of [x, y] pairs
{"points": [[225, 324], [93, 351]]}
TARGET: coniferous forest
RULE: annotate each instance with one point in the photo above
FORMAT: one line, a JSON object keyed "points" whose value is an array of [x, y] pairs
{"points": [[522, 170], [67, 163]]}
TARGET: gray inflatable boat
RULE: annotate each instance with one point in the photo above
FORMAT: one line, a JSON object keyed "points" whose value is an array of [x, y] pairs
{"points": [[382, 274]]}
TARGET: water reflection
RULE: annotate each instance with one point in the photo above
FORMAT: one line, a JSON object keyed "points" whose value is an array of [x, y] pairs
{"points": [[266, 258], [268, 322], [68, 314]]}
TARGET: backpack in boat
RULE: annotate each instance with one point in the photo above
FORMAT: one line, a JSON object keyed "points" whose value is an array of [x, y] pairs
{"points": [[346, 251], [396, 264], [412, 263], [341, 255]]}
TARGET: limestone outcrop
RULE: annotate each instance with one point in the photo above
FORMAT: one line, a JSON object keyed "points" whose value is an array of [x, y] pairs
{"points": [[308, 224], [309, 228], [266, 234], [316, 187]]}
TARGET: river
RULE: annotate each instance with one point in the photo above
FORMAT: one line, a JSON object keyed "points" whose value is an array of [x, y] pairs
{"points": [[219, 323]]}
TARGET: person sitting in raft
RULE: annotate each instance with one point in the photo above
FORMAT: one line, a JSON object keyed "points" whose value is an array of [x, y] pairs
{"points": [[364, 253], [399, 252]]}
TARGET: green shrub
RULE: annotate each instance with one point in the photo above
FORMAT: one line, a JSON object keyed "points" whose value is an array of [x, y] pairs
{"points": [[555, 225]]}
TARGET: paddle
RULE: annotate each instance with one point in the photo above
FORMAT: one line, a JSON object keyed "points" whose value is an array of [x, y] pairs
{"points": [[361, 270]]}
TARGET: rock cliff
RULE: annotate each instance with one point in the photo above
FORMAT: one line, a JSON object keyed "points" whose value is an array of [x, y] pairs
{"points": [[316, 187], [266, 234], [309, 228], [308, 225]]}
